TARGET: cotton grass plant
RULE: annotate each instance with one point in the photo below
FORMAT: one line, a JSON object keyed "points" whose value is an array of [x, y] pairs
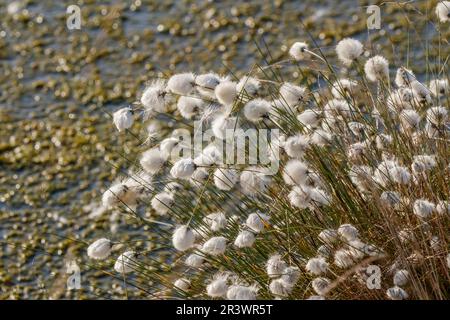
{"points": [[363, 180]]}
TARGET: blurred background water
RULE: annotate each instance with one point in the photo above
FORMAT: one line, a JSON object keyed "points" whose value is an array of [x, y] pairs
{"points": [[58, 148]]}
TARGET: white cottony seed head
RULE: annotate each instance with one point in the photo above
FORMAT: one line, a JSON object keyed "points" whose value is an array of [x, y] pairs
{"points": [[206, 84], [317, 266], [190, 106], [295, 172], [300, 196], [404, 77], [279, 288], [182, 284], [437, 116], [248, 85], [225, 179], [183, 169], [396, 293], [216, 221], [226, 92], [257, 110], [443, 207], [239, 292], [125, 263], [421, 93], [290, 276], [253, 181], [256, 221], [298, 51], [218, 287], [310, 117], [439, 87], [245, 239], [152, 160], [343, 259], [215, 246], [275, 266], [162, 202], [181, 84], [320, 285], [194, 260], [345, 88], [348, 232], [377, 69], [443, 11], [329, 236], [401, 277], [296, 146], [292, 94], [349, 50], [183, 238], [123, 119], [224, 127], [155, 97]]}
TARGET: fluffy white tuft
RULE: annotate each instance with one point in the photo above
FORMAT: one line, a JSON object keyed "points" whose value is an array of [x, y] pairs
{"points": [[439, 87], [396, 293], [183, 169], [216, 221], [443, 11], [343, 259], [189, 107], [256, 221], [218, 287], [194, 260], [100, 249], [181, 84], [245, 239], [162, 202], [155, 97], [404, 77], [296, 146], [240, 292], [349, 50], [275, 266], [292, 94], [257, 110], [182, 284], [125, 263], [377, 69], [320, 285], [123, 119], [183, 238], [207, 83], [152, 160], [249, 86], [348, 232], [423, 208], [254, 181], [224, 127], [345, 88], [215, 246], [317, 266], [298, 51], [225, 179]]}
